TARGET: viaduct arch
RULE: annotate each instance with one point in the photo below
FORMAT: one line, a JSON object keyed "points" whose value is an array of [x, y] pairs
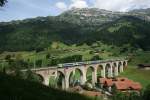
{"points": [[109, 68]]}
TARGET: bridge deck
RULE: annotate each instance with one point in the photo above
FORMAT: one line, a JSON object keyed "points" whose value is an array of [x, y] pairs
{"points": [[66, 65]]}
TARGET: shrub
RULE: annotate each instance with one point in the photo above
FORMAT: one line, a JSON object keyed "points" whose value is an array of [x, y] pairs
{"points": [[8, 57], [96, 57], [38, 63]]}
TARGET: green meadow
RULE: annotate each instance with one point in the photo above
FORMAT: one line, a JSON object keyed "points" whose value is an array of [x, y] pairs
{"points": [[137, 75]]}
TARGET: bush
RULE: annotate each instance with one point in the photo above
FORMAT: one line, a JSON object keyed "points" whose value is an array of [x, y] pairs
{"points": [[38, 63], [54, 62], [96, 57], [8, 57], [39, 49], [17, 64], [48, 56], [146, 94], [91, 52]]}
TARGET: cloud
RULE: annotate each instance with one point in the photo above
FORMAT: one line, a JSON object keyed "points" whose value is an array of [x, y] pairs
{"points": [[78, 4], [73, 4], [61, 5], [121, 5], [20, 9], [113, 5]]}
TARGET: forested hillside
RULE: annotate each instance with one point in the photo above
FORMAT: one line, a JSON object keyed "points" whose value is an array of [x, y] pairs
{"points": [[126, 30], [40, 32]]}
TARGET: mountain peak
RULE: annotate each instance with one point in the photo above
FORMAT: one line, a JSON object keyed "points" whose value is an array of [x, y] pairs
{"points": [[97, 16], [89, 15], [87, 11]]}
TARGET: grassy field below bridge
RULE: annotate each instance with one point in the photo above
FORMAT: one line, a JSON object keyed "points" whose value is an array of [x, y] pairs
{"points": [[138, 75]]}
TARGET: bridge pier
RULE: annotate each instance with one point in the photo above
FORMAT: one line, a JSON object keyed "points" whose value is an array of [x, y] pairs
{"points": [[110, 71], [83, 77], [116, 70], [66, 82], [121, 67], [94, 76], [103, 71], [46, 81]]}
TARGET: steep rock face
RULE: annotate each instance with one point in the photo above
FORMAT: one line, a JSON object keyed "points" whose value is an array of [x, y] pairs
{"points": [[95, 16], [92, 16], [141, 13]]}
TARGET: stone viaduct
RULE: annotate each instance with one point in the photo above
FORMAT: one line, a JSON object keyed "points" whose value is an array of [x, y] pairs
{"points": [[107, 68]]}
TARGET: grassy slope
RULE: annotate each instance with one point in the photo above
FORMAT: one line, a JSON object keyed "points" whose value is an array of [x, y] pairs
{"points": [[63, 51], [12, 88], [141, 57], [132, 72], [142, 76]]}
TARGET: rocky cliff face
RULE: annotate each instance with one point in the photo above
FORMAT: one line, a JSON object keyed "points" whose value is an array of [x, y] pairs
{"points": [[94, 16]]}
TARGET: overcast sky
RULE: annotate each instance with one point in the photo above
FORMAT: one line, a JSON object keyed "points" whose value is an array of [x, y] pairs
{"points": [[21, 9]]}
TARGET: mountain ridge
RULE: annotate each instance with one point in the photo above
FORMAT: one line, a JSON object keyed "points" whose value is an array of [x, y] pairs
{"points": [[40, 32], [75, 10]]}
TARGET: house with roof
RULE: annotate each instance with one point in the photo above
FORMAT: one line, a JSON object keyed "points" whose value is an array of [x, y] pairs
{"points": [[144, 66], [121, 84]]}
